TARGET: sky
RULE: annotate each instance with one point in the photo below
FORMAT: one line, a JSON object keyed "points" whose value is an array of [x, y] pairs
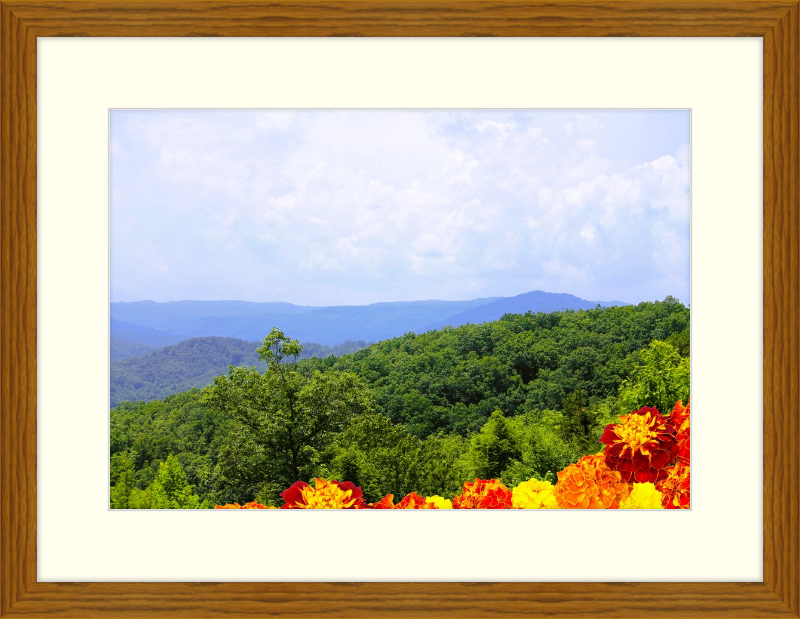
{"points": [[350, 207]]}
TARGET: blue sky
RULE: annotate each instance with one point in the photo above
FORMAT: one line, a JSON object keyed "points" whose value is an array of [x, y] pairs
{"points": [[344, 207]]}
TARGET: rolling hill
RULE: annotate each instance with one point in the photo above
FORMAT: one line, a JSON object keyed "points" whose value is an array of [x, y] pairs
{"points": [[194, 363]]}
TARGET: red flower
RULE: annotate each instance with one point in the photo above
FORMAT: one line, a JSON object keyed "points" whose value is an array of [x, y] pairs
{"points": [[326, 495], [641, 445], [675, 488], [483, 494], [250, 505]]}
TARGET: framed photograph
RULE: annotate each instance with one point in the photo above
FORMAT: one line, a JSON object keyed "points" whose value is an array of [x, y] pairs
{"points": [[376, 309], [94, 168]]}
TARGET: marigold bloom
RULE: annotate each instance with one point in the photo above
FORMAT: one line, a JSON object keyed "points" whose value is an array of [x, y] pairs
{"points": [[438, 502], [386, 502], [534, 494], [680, 415], [590, 484], [675, 487], [411, 501], [643, 496], [483, 494], [250, 505], [325, 495], [641, 445], [680, 419]]}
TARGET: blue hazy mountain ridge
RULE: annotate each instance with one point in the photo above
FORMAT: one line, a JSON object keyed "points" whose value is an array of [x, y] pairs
{"points": [[535, 301], [252, 321], [141, 334], [324, 325]]}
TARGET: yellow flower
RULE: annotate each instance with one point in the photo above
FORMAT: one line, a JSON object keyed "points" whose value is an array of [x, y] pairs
{"points": [[438, 502], [534, 494], [643, 496]]}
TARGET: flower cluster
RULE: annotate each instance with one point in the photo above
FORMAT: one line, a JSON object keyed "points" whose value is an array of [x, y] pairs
{"points": [[250, 505], [483, 494], [644, 465], [675, 488], [412, 501], [680, 419]]}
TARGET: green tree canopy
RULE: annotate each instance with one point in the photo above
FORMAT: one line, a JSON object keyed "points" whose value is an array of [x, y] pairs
{"points": [[169, 490], [661, 380], [290, 414]]}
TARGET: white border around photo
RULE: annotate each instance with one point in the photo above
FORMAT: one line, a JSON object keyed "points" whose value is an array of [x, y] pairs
{"points": [[80, 539]]}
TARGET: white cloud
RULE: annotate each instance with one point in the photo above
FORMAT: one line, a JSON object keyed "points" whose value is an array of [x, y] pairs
{"points": [[500, 129], [581, 123], [354, 207], [274, 120]]}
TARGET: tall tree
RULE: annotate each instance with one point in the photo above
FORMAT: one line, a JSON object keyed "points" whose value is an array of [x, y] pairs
{"points": [[495, 447], [291, 415]]}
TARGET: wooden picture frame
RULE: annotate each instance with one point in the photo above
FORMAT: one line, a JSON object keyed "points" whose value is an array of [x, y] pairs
{"points": [[776, 21]]}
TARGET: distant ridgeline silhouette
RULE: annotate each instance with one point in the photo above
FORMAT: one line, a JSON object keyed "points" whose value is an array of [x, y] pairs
{"points": [[145, 325]]}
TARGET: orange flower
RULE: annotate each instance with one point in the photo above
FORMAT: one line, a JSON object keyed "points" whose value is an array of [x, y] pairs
{"points": [[412, 501], [680, 419], [675, 487], [680, 415], [326, 495], [641, 445], [590, 484], [250, 505], [385, 503], [483, 494]]}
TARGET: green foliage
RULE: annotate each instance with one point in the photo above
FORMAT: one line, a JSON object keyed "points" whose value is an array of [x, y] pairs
{"points": [[661, 380], [517, 449], [191, 363], [181, 424], [579, 422], [242, 469], [451, 380], [680, 341], [289, 415], [169, 490], [545, 451], [123, 480], [514, 399], [494, 448], [383, 458]]}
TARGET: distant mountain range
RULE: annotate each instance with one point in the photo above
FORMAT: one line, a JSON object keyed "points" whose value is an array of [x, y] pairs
{"points": [[142, 326]]}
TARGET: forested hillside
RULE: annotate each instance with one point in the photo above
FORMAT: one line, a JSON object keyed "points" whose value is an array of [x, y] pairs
{"points": [[194, 363], [511, 399]]}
